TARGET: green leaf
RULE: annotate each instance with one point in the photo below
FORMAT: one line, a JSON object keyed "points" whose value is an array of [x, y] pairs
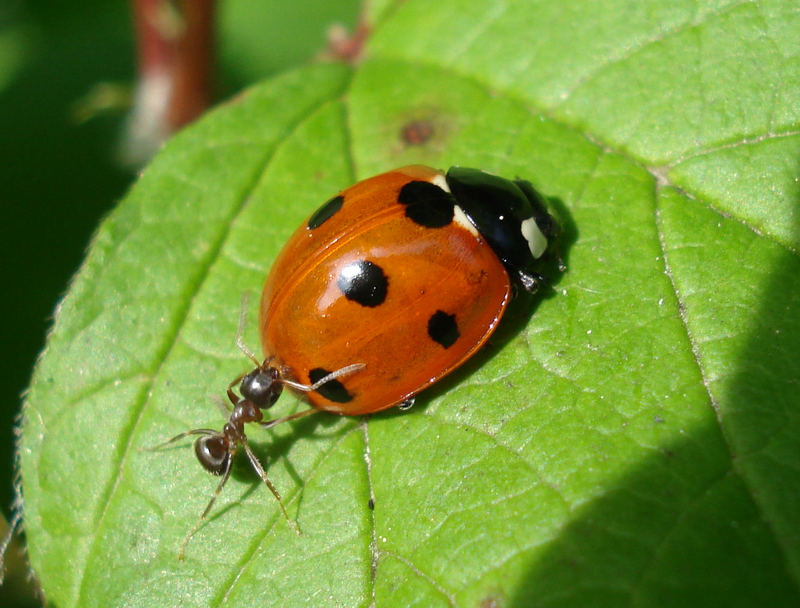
{"points": [[633, 442]]}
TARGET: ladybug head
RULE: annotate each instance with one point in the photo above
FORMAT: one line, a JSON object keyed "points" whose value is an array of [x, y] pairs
{"points": [[511, 215], [262, 386]]}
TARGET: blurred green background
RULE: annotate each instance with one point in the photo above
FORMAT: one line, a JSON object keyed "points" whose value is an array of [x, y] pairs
{"points": [[60, 176]]}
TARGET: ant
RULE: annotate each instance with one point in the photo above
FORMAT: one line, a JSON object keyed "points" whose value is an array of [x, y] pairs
{"points": [[259, 389]]}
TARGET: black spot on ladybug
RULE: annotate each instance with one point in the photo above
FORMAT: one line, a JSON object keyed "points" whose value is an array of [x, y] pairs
{"points": [[326, 212], [363, 282], [332, 390], [443, 329], [427, 204]]}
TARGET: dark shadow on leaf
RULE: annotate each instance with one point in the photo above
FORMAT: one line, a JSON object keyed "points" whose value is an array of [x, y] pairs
{"points": [[680, 530], [271, 448], [760, 408]]}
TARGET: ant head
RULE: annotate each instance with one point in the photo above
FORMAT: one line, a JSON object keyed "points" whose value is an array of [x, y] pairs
{"points": [[262, 386], [213, 452]]}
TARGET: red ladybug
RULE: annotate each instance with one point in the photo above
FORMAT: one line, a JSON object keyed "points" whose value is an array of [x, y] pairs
{"points": [[389, 286]]}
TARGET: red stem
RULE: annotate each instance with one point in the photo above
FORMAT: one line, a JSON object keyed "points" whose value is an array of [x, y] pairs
{"points": [[175, 53]]}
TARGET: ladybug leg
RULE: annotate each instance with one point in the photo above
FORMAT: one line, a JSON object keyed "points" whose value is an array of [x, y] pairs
{"points": [[343, 371], [263, 475], [407, 404], [531, 281]]}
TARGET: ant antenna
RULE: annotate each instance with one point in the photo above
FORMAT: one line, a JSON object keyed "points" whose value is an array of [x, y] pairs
{"points": [[245, 302], [307, 388]]}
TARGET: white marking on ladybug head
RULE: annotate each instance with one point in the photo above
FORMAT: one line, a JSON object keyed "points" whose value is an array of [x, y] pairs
{"points": [[460, 218], [537, 241], [440, 180]]}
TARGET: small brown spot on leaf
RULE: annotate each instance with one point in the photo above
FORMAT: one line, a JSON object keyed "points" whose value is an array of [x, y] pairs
{"points": [[417, 132]]}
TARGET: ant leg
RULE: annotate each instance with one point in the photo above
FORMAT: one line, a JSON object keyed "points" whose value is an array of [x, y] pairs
{"points": [[231, 395], [344, 371], [268, 424], [263, 475], [178, 437], [223, 407], [225, 475], [236, 381]]}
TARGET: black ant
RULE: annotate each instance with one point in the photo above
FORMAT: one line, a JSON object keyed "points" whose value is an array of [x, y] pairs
{"points": [[259, 389]]}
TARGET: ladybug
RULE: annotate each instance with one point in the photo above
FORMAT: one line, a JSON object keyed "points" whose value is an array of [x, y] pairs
{"points": [[389, 286]]}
